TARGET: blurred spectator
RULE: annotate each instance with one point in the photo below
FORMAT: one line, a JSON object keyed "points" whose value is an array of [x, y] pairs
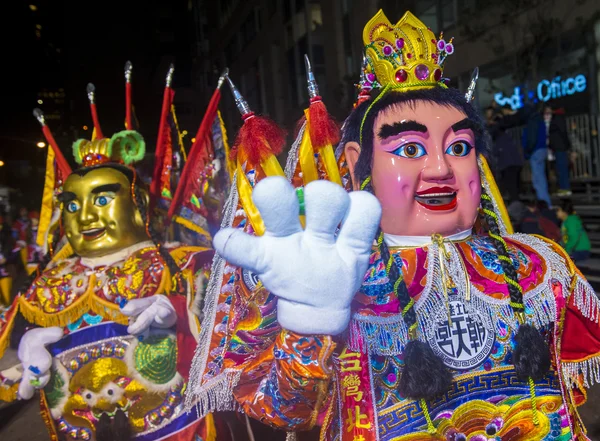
{"points": [[517, 212], [536, 150], [6, 250], [575, 239], [534, 222], [507, 155], [559, 144], [548, 212]]}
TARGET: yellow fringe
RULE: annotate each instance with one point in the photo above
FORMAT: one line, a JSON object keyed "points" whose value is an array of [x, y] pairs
{"points": [[47, 417], [47, 200], [107, 309], [230, 164], [9, 394], [63, 318]]}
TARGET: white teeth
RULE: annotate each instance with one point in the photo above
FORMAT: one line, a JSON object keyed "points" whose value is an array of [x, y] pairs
{"points": [[96, 230], [435, 195]]}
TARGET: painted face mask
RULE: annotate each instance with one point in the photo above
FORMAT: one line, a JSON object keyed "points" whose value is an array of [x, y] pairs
{"points": [[425, 170], [99, 214]]}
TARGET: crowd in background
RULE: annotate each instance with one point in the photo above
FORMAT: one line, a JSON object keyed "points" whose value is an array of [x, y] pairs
{"points": [[19, 252], [546, 146]]}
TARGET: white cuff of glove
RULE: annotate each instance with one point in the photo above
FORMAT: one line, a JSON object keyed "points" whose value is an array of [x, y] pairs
{"points": [[305, 319]]}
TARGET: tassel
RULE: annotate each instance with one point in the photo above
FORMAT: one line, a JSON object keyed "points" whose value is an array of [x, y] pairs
{"points": [[531, 357], [258, 138], [323, 129], [424, 376]]}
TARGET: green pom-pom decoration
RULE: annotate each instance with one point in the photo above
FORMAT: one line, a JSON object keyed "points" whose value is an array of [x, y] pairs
{"points": [[77, 151], [130, 145]]}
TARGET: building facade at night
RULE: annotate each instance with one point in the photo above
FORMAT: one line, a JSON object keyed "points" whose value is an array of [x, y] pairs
{"points": [[527, 51]]}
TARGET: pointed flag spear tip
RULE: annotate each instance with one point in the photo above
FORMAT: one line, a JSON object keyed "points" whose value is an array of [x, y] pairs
{"points": [[39, 115], [128, 69], [472, 85], [313, 87], [91, 91], [170, 74], [240, 102], [224, 75]]}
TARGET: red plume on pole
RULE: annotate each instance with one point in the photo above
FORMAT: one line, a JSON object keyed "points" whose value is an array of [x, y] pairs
{"points": [[259, 137], [163, 154], [63, 166], [323, 129], [199, 156], [128, 69], [91, 93]]}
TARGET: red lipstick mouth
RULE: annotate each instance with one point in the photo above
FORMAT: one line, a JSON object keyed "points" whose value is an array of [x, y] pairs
{"points": [[437, 198]]}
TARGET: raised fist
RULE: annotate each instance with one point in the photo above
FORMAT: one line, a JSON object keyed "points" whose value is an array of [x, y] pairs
{"points": [[317, 271]]}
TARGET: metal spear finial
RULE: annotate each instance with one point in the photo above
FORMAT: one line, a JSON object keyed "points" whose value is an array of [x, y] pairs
{"points": [[313, 87], [39, 115], [472, 85], [224, 75], [240, 102], [170, 75], [128, 69], [91, 93]]}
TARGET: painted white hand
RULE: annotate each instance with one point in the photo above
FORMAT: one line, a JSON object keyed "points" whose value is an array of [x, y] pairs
{"points": [[36, 359], [317, 271], [155, 311]]}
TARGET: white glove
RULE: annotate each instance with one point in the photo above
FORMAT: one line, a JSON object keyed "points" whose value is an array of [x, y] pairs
{"points": [[36, 359], [156, 311], [314, 272]]}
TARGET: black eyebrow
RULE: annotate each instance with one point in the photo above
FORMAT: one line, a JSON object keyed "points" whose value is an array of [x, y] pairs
{"points": [[388, 130], [66, 196], [466, 124], [113, 188]]}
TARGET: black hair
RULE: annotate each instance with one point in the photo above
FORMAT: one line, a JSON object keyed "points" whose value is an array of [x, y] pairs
{"points": [[567, 206], [425, 375], [541, 204]]}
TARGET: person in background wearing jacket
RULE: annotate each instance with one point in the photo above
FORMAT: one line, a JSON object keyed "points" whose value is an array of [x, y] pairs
{"points": [[536, 150], [508, 157], [575, 239], [559, 143]]}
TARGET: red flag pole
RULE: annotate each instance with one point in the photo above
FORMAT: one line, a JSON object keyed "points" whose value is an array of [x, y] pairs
{"points": [[128, 69], [61, 162], [91, 93], [197, 147], [160, 143]]}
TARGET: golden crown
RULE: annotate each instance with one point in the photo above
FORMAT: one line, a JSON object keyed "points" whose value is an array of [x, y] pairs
{"points": [[403, 56], [125, 147]]}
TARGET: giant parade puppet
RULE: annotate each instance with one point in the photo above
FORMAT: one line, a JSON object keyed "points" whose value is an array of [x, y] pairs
{"points": [[109, 323], [404, 308]]}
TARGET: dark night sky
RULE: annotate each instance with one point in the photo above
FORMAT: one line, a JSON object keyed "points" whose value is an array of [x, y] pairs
{"points": [[94, 40]]}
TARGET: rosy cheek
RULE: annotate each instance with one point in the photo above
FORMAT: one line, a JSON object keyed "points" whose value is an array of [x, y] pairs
{"points": [[475, 184]]}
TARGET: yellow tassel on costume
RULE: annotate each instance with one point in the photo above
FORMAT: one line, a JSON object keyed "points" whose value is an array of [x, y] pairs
{"points": [[270, 167], [495, 193], [228, 161], [47, 200]]}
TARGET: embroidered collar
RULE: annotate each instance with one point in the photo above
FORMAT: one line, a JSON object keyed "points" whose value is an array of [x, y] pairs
{"points": [[110, 259], [393, 240]]}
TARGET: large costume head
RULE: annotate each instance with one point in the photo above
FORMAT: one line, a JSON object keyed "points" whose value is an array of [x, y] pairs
{"points": [[417, 145], [103, 207]]}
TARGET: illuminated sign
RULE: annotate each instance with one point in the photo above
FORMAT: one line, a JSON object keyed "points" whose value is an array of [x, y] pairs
{"points": [[546, 90]]}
